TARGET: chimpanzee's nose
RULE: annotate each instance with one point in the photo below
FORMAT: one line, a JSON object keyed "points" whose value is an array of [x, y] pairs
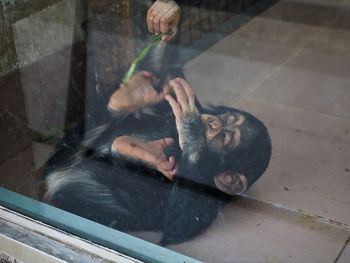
{"points": [[215, 127]]}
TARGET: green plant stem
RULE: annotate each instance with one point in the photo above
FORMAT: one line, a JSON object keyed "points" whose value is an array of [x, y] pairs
{"points": [[145, 51]]}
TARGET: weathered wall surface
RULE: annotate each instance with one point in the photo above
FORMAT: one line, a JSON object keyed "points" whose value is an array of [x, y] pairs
{"points": [[43, 55], [60, 60], [109, 54]]}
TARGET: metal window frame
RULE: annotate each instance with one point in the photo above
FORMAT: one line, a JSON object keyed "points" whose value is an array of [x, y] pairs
{"points": [[84, 228]]}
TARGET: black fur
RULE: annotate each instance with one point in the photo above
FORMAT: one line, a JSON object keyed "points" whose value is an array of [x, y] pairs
{"points": [[84, 177], [129, 195]]}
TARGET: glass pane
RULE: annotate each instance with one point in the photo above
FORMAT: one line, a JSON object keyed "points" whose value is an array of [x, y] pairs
{"points": [[216, 129]]}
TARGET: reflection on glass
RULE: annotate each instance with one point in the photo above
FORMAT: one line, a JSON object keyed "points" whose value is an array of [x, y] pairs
{"points": [[173, 155]]}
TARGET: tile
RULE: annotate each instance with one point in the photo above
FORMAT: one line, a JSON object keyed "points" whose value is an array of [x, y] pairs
{"points": [[310, 166], [283, 33], [305, 12], [341, 4], [317, 77], [314, 80], [243, 60], [345, 256], [212, 95], [335, 39], [329, 52], [236, 66], [308, 90], [249, 233]]}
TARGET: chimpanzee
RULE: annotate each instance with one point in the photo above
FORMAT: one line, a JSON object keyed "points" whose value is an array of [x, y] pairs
{"points": [[170, 171]]}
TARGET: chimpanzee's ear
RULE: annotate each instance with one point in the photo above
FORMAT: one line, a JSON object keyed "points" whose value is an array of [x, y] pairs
{"points": [[231, 183]]}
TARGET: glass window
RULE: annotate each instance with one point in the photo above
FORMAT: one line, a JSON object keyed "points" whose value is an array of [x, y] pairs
{"points": [[212, 130]]}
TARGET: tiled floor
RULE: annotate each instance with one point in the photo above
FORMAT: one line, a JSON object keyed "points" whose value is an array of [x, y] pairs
{"points": [[290, 66], [256, 233]]}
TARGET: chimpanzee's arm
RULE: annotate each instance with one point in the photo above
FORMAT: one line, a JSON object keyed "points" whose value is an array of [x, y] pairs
{"points": [[192, 204], [189, 210], [150, 153], [139, 92]]}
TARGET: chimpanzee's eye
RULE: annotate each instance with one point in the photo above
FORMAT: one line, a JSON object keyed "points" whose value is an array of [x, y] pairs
{"points": [[231, 119], [228, 119]]}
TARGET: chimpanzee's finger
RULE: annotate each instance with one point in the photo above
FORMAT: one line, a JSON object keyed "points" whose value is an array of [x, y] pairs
{"points": [[157, 14], [158, 146], [164, 23], [190, 94], [171, 164], [174, 16], [161, 144], [164, 164], [172, 161], [150, 23], [151, 16], [146, 74], [185, 85], [158, 97], [167, 168], [167, 38], [176, 168], [167, 174], [174, 106], [151, 77], [140, 150], [181, 95], [154, 80], [156, 22], [150, 155], [167, 89], [151, 9]]}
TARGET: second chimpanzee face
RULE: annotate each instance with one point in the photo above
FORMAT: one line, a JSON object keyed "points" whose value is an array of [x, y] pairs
{"points": [[223, 132]]}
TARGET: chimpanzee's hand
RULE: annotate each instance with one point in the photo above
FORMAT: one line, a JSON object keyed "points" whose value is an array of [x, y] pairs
{"points": [[149, 152], [162, 16], [139, 93], [184, 109]]}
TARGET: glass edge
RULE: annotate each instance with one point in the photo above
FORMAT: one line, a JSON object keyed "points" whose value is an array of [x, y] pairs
{"points": [[100, 234]]}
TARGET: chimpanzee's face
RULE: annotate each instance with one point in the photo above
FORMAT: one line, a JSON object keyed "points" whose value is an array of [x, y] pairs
{"points": [[223, 132]]}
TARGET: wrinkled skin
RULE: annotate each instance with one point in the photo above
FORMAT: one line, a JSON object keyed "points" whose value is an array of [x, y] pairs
{"points": [[162, 17], [168, 168], [222, 132]]}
